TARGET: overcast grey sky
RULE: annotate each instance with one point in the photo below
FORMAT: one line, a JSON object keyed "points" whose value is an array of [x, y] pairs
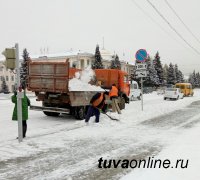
{"points": [[80, 24]]}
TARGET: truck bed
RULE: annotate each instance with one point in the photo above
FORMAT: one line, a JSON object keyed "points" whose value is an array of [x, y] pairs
{"points": [[48, 76]]}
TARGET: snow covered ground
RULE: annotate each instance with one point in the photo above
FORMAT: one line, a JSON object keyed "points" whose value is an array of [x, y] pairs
{"points": [[62, 147], [186, 147]]}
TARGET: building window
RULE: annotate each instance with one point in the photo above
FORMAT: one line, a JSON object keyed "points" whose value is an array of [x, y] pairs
{"points": [[1, 78], [1, 68], [12, 78], [6, 78], [88, 62]]}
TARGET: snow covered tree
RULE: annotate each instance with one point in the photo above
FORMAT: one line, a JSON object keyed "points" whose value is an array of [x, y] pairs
{"points": [[192, 79], [176, 73], [24, 68], [147, 81], [98, 59], [165, 70], [180, 77], [171, 75], [115, 63], [4, 86], [152, 78], [153, 75], [198, 79], [158, 68]]}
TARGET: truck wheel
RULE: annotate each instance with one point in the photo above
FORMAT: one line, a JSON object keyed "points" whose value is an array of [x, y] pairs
{"points": [[80, 112], [72, 111], [122, 103], [51, 113]]}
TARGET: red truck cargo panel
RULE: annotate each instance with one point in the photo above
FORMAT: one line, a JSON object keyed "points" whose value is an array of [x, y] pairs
{"points": [[48, 76]]}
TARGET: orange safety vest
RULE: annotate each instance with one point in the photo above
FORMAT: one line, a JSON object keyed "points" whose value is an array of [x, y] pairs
{"points": [[98, 101], [113, 92]]}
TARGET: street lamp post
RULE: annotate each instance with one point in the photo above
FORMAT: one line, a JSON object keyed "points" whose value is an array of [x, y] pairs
{"points": [[19, 95]]}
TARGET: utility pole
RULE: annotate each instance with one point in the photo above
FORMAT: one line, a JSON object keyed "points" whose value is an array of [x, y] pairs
{"points": [[19, 95], [12, 62], [142, 92], [141, 68]]}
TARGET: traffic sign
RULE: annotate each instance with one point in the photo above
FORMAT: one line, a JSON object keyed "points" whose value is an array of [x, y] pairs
{"points": [[141, 55], [140, 66], [141, 74]]}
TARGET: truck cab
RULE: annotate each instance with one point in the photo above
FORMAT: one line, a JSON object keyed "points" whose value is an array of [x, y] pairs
{"points": [[107, 77]]}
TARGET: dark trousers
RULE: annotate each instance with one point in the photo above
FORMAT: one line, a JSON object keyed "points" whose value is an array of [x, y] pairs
{"points": [[92, 111], [24, 127]]}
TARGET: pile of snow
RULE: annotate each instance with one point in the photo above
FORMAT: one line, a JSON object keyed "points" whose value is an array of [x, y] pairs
{"points": [[81, 81]]}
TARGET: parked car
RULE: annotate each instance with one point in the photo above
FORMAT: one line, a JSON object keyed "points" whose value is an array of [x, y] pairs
{"points": [[135, 92], [173, 93], [186, 88]]}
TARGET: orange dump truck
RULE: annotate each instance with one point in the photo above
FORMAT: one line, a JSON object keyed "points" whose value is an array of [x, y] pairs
{"points": [[50, 82]]}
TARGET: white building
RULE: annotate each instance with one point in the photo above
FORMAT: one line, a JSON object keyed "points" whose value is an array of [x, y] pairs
{"points": [[82, 60], [9, 77], [77, 59]]}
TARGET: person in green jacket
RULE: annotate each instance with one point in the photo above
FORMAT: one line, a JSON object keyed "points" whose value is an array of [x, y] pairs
{"points": [[25, 104]]}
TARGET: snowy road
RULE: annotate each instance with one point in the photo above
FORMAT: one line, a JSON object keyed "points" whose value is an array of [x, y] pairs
{"points": [[62, 148]]}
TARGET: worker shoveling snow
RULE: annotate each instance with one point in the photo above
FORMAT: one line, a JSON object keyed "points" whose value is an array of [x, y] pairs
{"points": [[81, 81]]}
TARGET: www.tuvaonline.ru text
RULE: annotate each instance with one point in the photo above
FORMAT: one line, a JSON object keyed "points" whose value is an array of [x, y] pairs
{"points": [[143, 163]]}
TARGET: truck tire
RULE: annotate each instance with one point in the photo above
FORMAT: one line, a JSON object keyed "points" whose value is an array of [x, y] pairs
{"points": [[80, 113], [139, 97], [122, 103], [51, 113], [72, 111]]}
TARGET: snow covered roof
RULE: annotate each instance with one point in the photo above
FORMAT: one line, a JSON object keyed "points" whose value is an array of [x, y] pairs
{"points": [[62, 55]]}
